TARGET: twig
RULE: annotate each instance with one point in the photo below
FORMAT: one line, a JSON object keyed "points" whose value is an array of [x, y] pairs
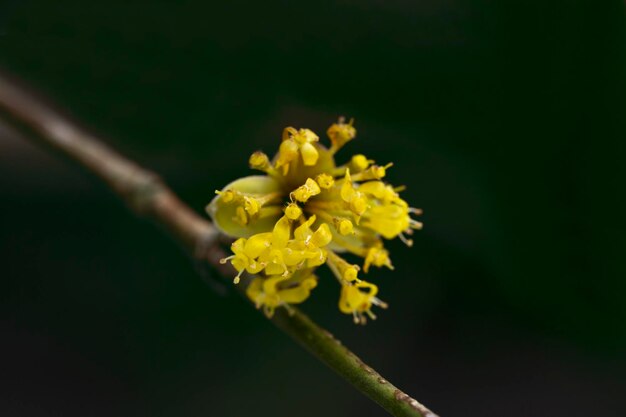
{"points": [[148, 196]]}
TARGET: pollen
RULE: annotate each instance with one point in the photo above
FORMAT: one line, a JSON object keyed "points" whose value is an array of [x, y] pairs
{"points": [[307, 211]]}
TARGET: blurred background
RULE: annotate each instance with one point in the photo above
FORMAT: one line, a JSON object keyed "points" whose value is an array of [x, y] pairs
{"points": [[505, 120]]}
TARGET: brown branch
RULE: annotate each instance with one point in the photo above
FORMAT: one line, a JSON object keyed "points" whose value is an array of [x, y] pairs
{"points": [[149, 197]]}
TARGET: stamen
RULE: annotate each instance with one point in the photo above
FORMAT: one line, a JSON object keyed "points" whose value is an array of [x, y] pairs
{"points": [[379, 303], [290, 310], [416, 225], [416, 211], [406, 241], [355, 317], [238, 277], [269, 311], [228, 258], [372, 315]]}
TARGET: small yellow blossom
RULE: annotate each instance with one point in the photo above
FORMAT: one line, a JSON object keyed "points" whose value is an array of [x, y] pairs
{"points": [[303, 213], [270, 293], [309, 189], [357, 299], [296, 144], [340, 133]]}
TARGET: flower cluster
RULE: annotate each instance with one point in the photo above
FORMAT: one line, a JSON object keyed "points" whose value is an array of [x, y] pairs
{"points": [[303, 213]]}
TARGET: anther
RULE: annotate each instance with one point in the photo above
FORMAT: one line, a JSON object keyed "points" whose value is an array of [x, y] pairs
{"points": [[379, 303], [228, 258], [238, 277], [416, 225], [355, 317]]}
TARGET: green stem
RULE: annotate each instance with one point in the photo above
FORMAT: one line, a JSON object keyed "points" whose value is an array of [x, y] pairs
{"points": [[340, 359]]}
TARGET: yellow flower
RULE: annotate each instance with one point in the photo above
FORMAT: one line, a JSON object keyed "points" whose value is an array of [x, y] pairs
{"points": [[277, 291], [303, 213], [358, 298]]}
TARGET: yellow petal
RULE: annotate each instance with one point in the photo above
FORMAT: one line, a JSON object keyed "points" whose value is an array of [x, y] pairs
{"points": [[281, 232], [347, 190], [375, 188], [300, 293], [303, 231], [322, 236], [256, 244], [309, 154]]}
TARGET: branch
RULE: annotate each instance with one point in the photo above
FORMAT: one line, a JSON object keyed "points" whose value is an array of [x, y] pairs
{"points": [[148, 196]]}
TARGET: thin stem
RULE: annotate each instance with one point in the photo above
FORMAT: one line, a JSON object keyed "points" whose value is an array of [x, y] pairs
{"points": [[340, 359], [149, 197]]}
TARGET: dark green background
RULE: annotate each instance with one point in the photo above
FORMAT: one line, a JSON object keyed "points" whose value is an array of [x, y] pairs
{"points": [[506, 121]]}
